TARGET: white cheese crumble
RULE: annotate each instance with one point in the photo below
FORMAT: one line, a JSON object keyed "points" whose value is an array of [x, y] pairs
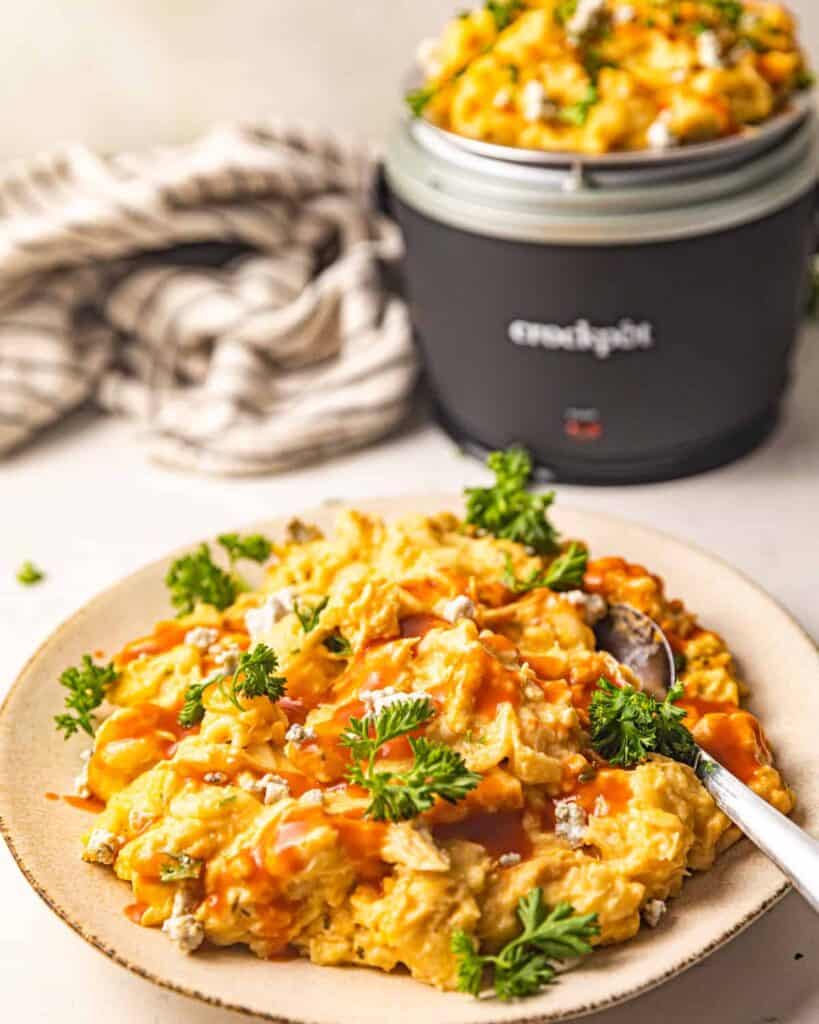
{"points": [[377, 700], [184, 900], [660, 136], [653, 912], [601, 807], [313, 798], [202, 637], [428, 55], [261, 620], [460, 607], [535, 104], [509, 860], [215, 778], [228, 659], [271, 788], [624, 14], [502, 98], [300, 733], [102, 846], [709, 49], [185, 931], [81, 788], [570, 822], [594, 606], [584, 19]]}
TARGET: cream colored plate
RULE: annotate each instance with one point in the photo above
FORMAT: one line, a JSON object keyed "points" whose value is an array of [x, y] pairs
{"points": [[779, 661]]}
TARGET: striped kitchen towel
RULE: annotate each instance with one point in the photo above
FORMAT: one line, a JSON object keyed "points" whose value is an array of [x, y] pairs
{"points": [[230, 295]]}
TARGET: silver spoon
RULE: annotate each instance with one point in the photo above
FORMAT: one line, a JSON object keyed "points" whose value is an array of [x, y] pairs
{"points": [[637, 641]]}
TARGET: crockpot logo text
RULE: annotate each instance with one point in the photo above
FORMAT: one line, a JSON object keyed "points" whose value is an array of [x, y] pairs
{"points": [[581, 336]]}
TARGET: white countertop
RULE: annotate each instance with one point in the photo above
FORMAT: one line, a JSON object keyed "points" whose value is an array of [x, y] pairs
{"points": [[86, 506]]}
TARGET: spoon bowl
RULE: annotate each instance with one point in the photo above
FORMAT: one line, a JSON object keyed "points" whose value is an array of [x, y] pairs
{"points": [[637, 642]]}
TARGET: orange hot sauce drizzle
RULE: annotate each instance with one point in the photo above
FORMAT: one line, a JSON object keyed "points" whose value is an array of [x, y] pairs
{"points": [[85, 803], [613, 784], [498, 833], [81, 803], [165, 637], [134, 912], [421, 624], [499, 684], [735, 740]]}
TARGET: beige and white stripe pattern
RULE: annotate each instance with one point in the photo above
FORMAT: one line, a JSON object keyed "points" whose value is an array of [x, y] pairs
{"points": [[230, 294]]}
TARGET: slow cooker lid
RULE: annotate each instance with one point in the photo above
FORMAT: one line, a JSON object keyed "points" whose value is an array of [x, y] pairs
{"points": [[570, 205]]}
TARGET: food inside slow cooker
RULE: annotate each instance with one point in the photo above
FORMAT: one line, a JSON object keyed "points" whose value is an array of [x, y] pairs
{"points": [[597, 76]]}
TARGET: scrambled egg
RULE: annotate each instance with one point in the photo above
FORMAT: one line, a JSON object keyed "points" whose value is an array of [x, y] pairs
{"points": [[593, 76], [255, 797]]}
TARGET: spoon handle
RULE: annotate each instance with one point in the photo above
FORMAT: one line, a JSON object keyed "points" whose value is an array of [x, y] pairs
{"points": [[793, 851]]}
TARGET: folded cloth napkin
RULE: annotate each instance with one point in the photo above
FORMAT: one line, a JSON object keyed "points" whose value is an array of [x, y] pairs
{"points": [[229, 294]]}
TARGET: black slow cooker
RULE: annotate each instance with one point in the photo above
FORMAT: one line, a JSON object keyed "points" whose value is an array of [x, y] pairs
{"points": [[626, 318]]}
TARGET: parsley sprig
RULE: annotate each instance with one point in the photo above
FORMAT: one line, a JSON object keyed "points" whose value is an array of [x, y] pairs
{"points": [[28, 574], [255, 547], [87, 686], [179, 867], [507, 509], [309, 617], [196, 578], [578, 113], [504, 12], [628, 725], [524, 965], [255, 676], [436, 771], [565, 573], [337, 643]]}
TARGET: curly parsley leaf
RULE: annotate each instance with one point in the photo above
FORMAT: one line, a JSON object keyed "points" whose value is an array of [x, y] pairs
{"points": [[525, 964], [193, 710], [335, 643], [565, 11], [364, 736], [504, 12], [179, 867], [673, 738], [730, 11], [419, 99], [28, 574], [255, 676], [87, 686], [565, 573], [623, 723], [436, 771], [196, 578], [309, 617], [507, 509], [578, 113], [255, 547], [628, 725]]}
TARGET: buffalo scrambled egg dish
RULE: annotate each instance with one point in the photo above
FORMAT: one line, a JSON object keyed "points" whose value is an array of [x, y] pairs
{"points": [[593, 76], [239, 823]]}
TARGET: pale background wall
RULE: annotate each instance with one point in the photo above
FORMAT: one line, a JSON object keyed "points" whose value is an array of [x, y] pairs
{"points": [[120, 73]]}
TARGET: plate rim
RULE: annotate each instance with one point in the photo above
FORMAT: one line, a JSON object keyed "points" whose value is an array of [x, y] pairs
{"points": [[446, 499]]}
